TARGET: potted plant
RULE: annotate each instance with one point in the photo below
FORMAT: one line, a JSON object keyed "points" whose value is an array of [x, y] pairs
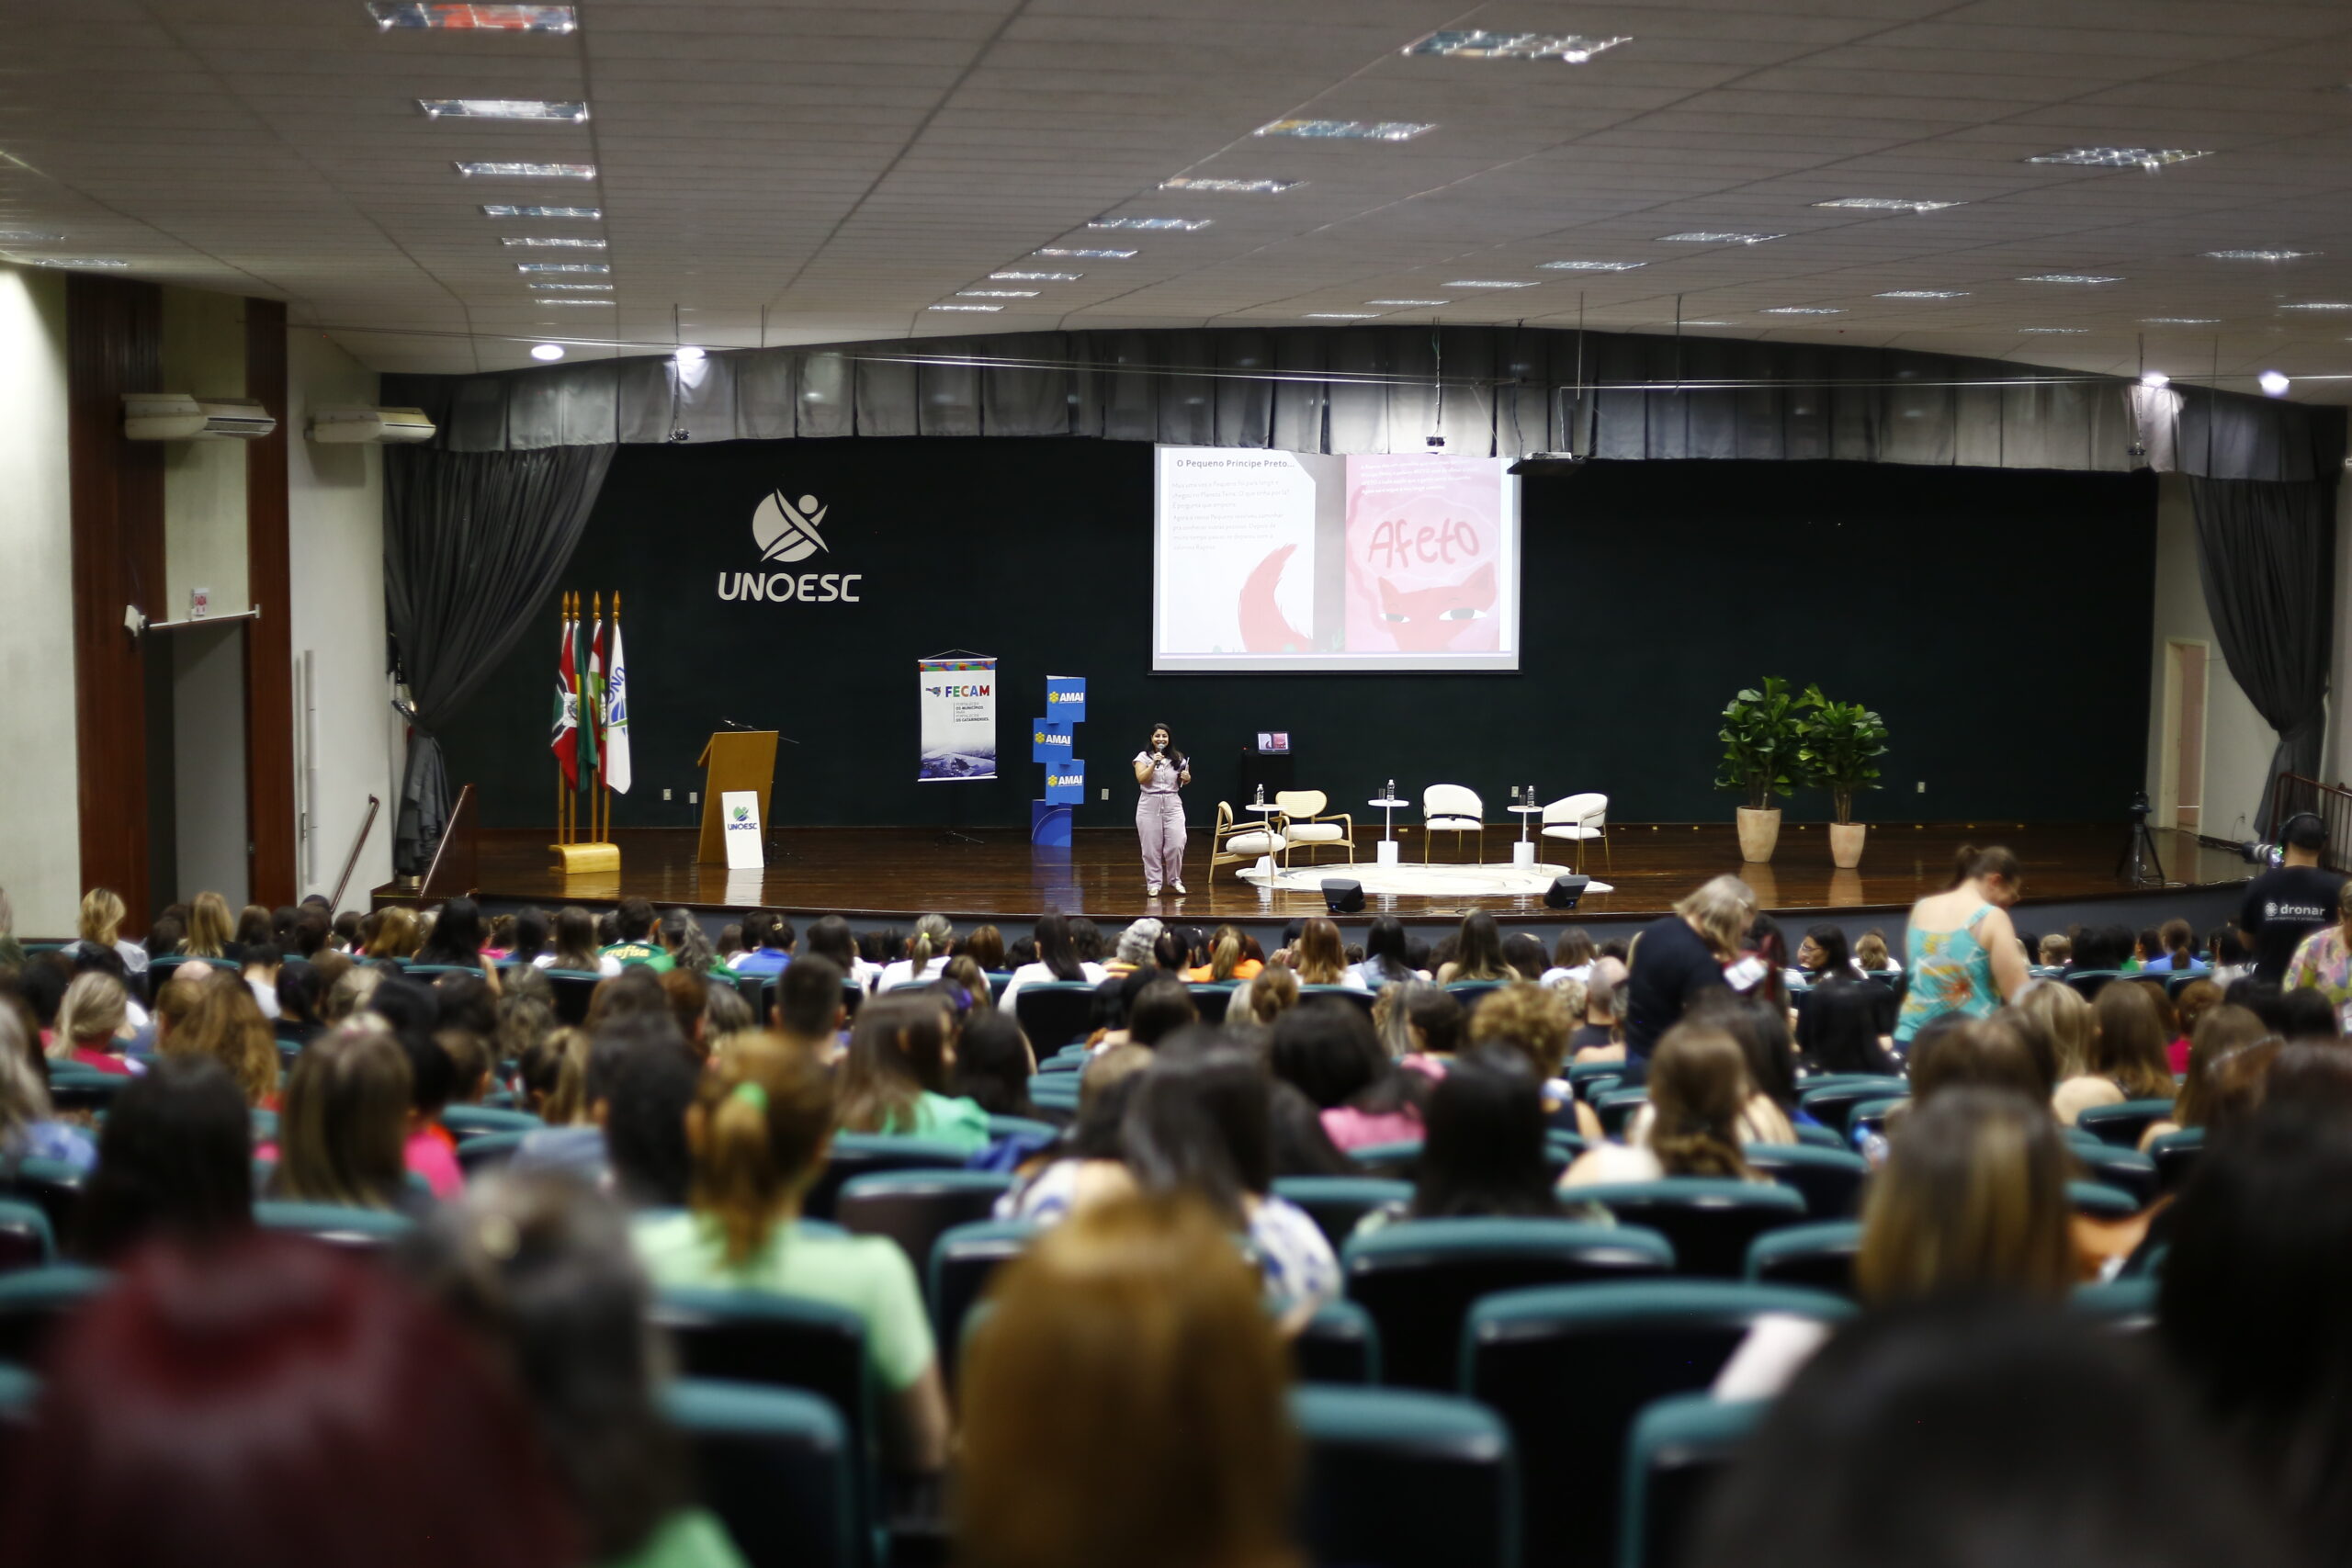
{"points": [[1839, 752], [1762, 734]]}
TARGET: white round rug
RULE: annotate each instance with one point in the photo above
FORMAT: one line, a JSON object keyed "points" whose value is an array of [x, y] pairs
{"points": [[1422, 881]]}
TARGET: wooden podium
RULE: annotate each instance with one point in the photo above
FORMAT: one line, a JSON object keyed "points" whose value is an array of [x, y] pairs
{"points": [[735, 759]]}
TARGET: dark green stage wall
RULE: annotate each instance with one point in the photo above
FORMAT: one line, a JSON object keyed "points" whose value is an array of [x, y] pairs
{"points": [[1999, 620]]}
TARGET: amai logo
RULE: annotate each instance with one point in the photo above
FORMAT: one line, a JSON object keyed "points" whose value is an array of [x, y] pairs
{"points": [[787, 532]]}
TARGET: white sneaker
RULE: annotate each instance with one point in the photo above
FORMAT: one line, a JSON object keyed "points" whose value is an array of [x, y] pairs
{"points": [[1152, 891], [1180, 887]]}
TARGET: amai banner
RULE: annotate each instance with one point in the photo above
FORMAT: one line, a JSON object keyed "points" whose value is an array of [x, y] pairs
{"points": [[958, 718]]}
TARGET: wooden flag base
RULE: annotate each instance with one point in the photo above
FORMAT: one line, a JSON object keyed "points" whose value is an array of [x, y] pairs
{"points": [[575, 859]]}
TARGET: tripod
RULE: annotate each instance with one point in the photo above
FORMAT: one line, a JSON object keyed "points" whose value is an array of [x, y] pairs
{"points": [[2139, 852]]}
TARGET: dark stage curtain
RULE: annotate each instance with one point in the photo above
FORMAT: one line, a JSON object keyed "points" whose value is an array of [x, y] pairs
{"points": [[473, 543], [2266, 555]]}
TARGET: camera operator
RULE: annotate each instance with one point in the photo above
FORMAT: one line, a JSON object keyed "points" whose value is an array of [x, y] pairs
{"points": [[2286, 905]]}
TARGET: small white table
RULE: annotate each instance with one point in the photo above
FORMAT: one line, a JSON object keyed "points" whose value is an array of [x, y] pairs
{"points": [[1385, 853], [1523, 851], [1266, 811]]}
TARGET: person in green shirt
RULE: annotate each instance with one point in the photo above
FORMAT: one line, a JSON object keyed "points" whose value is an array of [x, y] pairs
{"points": [[901, 1051], [637, 945], [688, 945], [759, 1133], [541, 1268]]}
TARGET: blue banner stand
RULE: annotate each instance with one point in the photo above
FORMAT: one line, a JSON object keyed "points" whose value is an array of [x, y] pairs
{"points": [[1049, 823], [1053, 741]]}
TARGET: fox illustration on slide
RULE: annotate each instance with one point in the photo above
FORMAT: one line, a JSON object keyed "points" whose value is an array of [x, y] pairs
{"points": [[1426, 620], [1265, 627]]}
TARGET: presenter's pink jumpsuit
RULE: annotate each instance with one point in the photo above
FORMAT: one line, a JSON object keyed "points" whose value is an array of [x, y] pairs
{"points": [[1159, 823]]}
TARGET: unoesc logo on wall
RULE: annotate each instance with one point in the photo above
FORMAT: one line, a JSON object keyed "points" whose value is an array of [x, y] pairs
{"points": [[787, 533]]}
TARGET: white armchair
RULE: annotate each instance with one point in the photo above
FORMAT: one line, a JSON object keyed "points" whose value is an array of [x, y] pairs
{"points": [[1244, 842], [1579, 817], [1305, 822], [1452, 808]]}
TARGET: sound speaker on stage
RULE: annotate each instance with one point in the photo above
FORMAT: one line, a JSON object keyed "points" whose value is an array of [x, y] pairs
{"points": [[1565, 891], [1342, 896]]}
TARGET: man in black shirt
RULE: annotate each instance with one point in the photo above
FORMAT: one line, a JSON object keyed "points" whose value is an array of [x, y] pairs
{"points": [[1677, 957], [2284, 906]]}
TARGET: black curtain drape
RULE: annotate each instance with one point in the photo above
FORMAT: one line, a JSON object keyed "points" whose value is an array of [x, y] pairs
{"points": [[473, 543], [2266, 555]]}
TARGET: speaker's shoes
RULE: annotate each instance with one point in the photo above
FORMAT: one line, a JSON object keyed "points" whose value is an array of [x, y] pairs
{"points": [[1180, 890]]}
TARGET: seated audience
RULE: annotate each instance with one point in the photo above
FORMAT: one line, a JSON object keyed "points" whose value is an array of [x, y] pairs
{"points": [[226, 1027], [1972, 1198], [1385, 962], [2323, 961], [768, 944], [1089, 1164], [1839, 1029], [1136, 947], [1419, 1018], [895, 1079], [175, 1160], [100, 927], [2211, 1093], [927, 956], [1484, 1152], [1319, 958], [575, 951], [93, 1025], [985, 947], [2175, 953], [396, 932], [1699, 1091], [1058, 959], [343, 1129], [993, 1065], [1264, 998], [1326, 1049], [2127, 1059], [1871, 955], [634, 942], [1572, 958], [29, 1126], [1825, 955], [1535, 1021], [2057, 951], [1477, 953], [457, 937]]}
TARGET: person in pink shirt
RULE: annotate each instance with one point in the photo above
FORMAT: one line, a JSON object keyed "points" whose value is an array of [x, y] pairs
{"points": [[1328, 1048]]}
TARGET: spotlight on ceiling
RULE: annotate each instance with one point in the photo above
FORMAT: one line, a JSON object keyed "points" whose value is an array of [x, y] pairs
{"points": [[2154, 378], [546, 351], [689, 355], [2273, 383]]}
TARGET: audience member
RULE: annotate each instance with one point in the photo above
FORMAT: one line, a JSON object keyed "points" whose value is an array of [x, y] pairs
{"points": [[1229, 959], [1964, 952], [1264, 998], [1058, 959], [2324, 960], [91, 1023], [1327, 1050], [343, 1132], [993, 1065], [28, 1125], [1675, 958], [100, 927], [1484, 1153], [634, 942], [2127, 1056], [226, 1027], [927, 956], [1699, 1090], [895, 1078], [1839, 1031], [1972, 1198], [2287, 902], [1477, 953], [175, 1160]]}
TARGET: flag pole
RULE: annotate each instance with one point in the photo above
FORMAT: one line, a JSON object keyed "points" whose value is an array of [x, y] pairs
{"points": [[608, 687], [592, 711], [563, 626]]}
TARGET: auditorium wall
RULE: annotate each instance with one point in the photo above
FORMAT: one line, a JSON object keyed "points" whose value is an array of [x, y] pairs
{"points": [[40, 833], [1998, 619]]}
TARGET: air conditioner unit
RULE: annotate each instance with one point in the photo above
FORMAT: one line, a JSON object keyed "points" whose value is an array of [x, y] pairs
{"points": [[358, 426], [177, 416]]}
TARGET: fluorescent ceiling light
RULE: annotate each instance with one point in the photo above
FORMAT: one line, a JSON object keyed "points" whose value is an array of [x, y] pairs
{"points": [[592, 288], [2057, 332], [2262, 255], [1888, 204], [963, 307], [1347, 130], [1035, 276], [2320, 305], [528, 171], [27, 237], [1409, 301], [996, 294], [688, 355], [571, 110], [546, 351], [1230, 188], [1706, 323], [1801, 310], [2118, 157], [1486, 283], [576, 302], [2154, 378], [2070, 278], [562, 266], [546, 243], [1181, 225], [1342, 315], [1081, 250], [1718, 237], [82, 261], [390, 14], [1478, 44], [1589, 266], [1922, 294], [2273, 384], [2180, 321], [507, 209]]}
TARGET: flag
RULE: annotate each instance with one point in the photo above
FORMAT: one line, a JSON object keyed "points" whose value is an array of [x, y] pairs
{"points": [[565, 736], [583, 691], [592, 707], [616, 753]]}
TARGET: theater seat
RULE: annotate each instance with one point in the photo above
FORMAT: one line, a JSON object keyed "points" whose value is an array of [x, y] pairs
{"points": [[963, 1260], [1678, 1448], [1338, 1343], [867, 1154], [33, 1301], [2124, 1306], [2175, 1155], [915, 1208], [1054, 1013], [1403, 1479], [342, 1224], [1831, 1101], [1815, 1257], [1336, 1203], [26, 1239], [491, 1151], [1709, 1221], [2127, 1169], [465, 1122], [574, 989], [51, 1186], [1419, 1278], [778, 1468], [1569, 1368], [2122, 1124], [1829, 1181]]}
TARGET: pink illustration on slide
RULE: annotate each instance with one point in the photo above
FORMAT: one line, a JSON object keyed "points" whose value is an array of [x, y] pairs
{"points": [[1265, 627], [1426, 620]]}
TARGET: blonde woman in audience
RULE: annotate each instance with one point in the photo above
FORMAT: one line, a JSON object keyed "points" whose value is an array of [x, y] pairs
{"points": [[1229, 959], [1699, 1087], [2220, 1035], [28, 1127], [2061, 1014], [1535, 1021], [100, 926], [1871, 955], [396, 934], [1264, 998], [1181, 1455], [926, 956], [757, 1132], [348, 993], [1972, 1198], [1320, 958], [2127, 1054], [209, 930], [227, 1026], [91, 1023]]}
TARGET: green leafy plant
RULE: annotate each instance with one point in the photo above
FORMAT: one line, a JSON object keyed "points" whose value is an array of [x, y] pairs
{"points": [[1762, 735], [1839, 747]]}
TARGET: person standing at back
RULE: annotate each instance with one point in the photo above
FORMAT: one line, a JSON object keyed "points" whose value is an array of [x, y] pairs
{"points": [[1677, 956], [1964, 952], [2287, 902]]}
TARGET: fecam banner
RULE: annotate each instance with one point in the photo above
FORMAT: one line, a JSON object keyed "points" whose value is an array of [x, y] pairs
{"points": [[958, 718]]}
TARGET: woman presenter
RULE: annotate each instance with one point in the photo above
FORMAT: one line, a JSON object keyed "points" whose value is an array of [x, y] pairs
{"points": [[1162, 770]]}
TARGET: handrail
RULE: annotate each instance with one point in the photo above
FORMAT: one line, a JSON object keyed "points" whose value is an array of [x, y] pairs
{"points": [[2332, 803], [457, 861], [351, 861]]}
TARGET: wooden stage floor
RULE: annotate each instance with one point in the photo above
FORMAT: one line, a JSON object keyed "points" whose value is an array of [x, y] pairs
{"points": [[897, 872]]}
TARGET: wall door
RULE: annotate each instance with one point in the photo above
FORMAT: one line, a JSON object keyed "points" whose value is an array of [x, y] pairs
{"points": [[2181, 788]]}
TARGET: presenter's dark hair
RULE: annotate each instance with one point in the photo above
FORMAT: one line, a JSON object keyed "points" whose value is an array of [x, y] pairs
{"points": [[1174, 755]]}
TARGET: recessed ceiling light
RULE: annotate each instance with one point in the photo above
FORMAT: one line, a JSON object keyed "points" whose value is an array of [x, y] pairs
{"points": [[2273, 384], [27, 237], [507, 209], [576, 302], [2154, 378], [1409, 301], [1347, 130], [2262, 255], [1589, 266], [996, 294], [1706, 323], [542, 241], [546, 351], [2118, 157], [963, 307], [1923, 294], [2070, 278], [571, 110], [688, 355], [1342, 315], [2180, 321], [2320, 305], [1230, 188], [82, 261], [1888, 204], [1182, 225], [1801, 310], [503, 171], [562, 266], [1036, 277], [1090, 255], [390, 14], [592, 288], [1718, 237], [1478, 44], [1486, 283], [2057, 332]]}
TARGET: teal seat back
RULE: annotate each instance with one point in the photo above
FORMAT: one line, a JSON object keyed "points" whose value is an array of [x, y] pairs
{"points": [[1616, 1107], [1678, 1450], [475, 1121], [1817, 1137], [2175, 1156], [2099, 1202], [2128, 1169], [346, 1225], [915, 1208], [2126, 1305], [1405, 1479], [1054, 1091], [1339, 1344], [1053, 1012], [778, 1468], [1815, 1257], [870, 1154], [1393, 1161], [1831, 1101], [2122, 1124], [26, 1239], [1829, 1181], [1710, 1222], [963, 1260], [34, 1301], [490, 1151], [1336, 1203]]}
